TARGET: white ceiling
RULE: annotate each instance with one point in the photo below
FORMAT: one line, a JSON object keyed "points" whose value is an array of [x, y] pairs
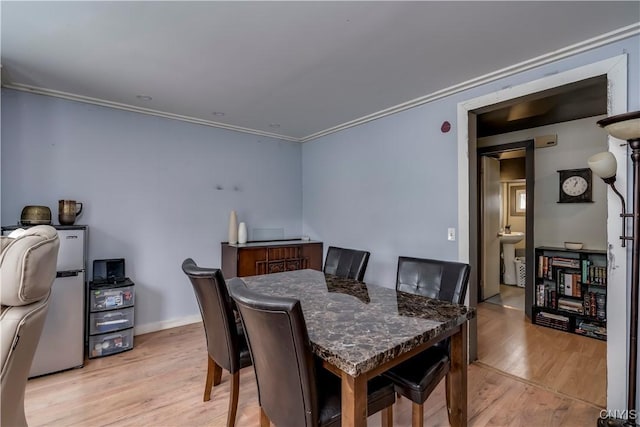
{"points": [[306, 66]]}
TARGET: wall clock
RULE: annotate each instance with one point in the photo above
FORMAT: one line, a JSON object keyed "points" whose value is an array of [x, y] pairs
{"points": [[575, 186]]}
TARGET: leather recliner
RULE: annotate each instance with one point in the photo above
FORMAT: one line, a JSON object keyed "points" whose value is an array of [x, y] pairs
{"points": [[27, 271]]}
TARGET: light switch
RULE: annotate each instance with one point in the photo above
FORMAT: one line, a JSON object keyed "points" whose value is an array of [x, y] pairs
{"points": [[451, 234]]}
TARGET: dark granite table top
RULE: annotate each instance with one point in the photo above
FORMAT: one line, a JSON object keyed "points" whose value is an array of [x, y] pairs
{"points": [[356, 326]]}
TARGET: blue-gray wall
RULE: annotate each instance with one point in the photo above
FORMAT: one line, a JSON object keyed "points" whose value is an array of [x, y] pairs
{"points": [[390, 186], [148, 185]]}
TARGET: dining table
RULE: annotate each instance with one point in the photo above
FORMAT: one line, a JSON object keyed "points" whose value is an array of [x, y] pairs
{"points": [[360, 330]]}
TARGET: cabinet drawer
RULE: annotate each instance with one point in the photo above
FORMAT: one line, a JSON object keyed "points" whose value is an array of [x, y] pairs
{"points": [[110, 298], [106, 344], [108, 321]]}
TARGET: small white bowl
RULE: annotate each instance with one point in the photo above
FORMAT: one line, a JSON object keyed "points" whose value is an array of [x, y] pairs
{"points": [[573, 245]]}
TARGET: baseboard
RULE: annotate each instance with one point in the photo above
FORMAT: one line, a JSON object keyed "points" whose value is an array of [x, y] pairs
{"points": [[166, 324]]}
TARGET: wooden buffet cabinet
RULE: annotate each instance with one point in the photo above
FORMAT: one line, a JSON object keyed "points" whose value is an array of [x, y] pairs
{"points": [[252, 258]]}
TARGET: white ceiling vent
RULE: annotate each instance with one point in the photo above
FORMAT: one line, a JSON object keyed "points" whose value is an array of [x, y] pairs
{"points": [[546, 141]]}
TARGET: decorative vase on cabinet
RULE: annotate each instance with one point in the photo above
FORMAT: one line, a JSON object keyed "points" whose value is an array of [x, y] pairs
{"points": [[233, 227], [242, 233]]}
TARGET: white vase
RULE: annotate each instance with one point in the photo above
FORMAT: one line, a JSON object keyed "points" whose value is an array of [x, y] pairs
{"points": [[242, 233], [233, 228]]}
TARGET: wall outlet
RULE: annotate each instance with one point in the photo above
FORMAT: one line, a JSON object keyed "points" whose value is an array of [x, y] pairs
{"points": [[451, 234]]}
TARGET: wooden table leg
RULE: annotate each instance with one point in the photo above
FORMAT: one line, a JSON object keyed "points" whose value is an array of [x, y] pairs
{"points": [[354, 401], [458, 378]]}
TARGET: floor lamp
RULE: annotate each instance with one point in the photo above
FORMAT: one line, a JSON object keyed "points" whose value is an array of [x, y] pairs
{"points": [[626, 127]]}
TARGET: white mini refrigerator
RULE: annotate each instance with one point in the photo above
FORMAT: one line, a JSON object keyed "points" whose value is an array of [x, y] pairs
{"points": [[61, 344]]}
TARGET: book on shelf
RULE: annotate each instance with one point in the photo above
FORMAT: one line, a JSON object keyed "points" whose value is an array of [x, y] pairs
{"points": [[595, 304], [570, 305], [544, 267], [553, 316], [601, 312], [565, 262], [586, 328], [592, 274], [569, 284], [585, 271], [545, 296]]}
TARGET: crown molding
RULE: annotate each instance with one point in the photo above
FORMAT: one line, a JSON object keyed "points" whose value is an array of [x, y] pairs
{"points": [[601, 40], [142, 110]]}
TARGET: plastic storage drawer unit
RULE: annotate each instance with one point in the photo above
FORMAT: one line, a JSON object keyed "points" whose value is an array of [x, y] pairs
{"points": [[108, 321], [111, 298], [106, 344], [111, 317]]}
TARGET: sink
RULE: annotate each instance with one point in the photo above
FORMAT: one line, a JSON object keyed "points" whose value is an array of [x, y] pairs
{"points": [[509, 254], [512, 238]]}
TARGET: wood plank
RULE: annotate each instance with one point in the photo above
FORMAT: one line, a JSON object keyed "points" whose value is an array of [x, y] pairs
{"points": [[569, 364], [159, 383]]}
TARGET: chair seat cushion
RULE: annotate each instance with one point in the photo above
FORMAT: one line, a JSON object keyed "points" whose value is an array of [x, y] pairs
{"points": [[416, 378], [380, 395]]}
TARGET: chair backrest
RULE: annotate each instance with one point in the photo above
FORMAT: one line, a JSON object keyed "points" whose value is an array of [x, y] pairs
{"points": [[347, 263], [443, 280], [27, 271], [281, 354], [216, 308]]}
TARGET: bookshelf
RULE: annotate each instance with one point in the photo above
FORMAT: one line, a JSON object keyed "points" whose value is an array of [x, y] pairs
{"points": [[571, 291]]}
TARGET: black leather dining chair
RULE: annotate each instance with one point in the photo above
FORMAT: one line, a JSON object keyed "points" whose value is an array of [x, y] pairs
{"points": [[346, 263], [226, 343], [417, 377], [293, 388]]}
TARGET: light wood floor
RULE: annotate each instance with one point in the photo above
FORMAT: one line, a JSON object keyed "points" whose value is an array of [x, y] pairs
{"points": [[160, 383], [509, 296], [562, 362]]}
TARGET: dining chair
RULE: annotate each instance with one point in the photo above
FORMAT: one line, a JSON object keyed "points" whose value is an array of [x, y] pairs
{"points": [[226, 344], [417, 377], [293, 388], [346, 263]]}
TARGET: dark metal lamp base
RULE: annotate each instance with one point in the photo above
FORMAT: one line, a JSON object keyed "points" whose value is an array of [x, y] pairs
{"points": [[615, 422]]}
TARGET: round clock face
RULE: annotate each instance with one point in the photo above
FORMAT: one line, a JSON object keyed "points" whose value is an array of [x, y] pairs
{"points": [[575, 185]]}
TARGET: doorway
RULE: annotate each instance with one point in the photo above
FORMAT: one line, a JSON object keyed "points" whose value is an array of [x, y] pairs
{"points": [[506, 178], [505, 242], [615, 70]]}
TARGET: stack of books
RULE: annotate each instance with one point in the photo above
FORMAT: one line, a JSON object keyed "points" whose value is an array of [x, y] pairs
{"points": [[553, 321], [596, 331], [570, 305]]}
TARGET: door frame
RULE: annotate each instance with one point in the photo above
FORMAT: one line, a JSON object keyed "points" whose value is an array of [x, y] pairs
{"points": [[615, 69], [527, 145]]}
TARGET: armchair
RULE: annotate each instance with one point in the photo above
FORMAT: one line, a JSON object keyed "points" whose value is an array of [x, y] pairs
{"points": [[27, 271]]}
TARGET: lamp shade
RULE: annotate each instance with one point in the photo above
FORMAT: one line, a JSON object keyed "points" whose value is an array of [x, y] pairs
{"points": [[623, 126], [603, 164]]}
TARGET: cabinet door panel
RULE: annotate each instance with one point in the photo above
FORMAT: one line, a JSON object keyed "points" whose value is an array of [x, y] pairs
{"points": [[249, 259]]}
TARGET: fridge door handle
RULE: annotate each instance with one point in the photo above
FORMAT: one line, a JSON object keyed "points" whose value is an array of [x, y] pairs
{"points": [[67, 273]]}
